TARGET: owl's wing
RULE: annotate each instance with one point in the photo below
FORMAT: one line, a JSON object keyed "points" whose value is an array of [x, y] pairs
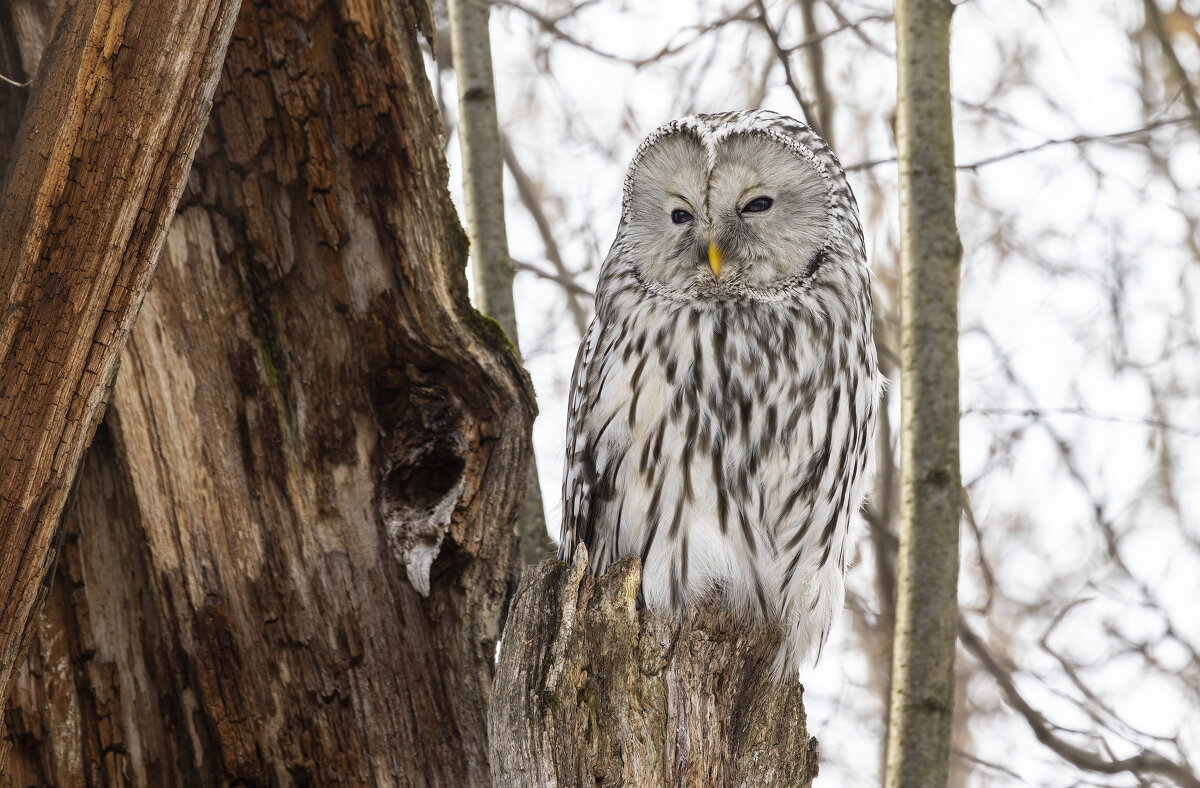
{"points": [[580, 473]]}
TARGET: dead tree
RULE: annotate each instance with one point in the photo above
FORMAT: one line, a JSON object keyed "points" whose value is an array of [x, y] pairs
{"points": [[292, 541], [593, 690], [111, 122]]}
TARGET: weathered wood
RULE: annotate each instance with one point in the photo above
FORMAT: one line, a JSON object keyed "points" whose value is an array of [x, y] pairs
{"points": [[98, 164], [592, 690], [24, 32], [318, 452], [87, 680], [922, 701]]}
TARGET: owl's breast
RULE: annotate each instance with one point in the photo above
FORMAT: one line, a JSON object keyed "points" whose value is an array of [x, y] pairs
{"points": [[704, 418]]}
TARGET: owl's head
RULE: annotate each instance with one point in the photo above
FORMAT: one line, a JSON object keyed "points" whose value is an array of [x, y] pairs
{"points": [[738, 205]]}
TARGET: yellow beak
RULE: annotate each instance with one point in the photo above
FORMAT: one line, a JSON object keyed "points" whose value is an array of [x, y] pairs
{"points": [[714, 258]]}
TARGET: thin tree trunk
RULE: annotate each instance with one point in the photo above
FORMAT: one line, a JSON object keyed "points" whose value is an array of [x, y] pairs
{"points": [[295, 535], [483, 167], [483, 182], [814, 53], [97, 167], [922, 702], [592, 690]]}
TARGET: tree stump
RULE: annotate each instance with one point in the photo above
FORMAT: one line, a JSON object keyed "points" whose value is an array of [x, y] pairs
{"points": [[592, 689]]}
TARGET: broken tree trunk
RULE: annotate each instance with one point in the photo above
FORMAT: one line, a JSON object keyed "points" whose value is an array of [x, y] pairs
{"points": [[93, 177], [592, 690], [293, 541]]}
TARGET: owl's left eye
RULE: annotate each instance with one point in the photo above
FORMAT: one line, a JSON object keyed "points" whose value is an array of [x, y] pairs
{"points": [[758, 205], [680, 216]]}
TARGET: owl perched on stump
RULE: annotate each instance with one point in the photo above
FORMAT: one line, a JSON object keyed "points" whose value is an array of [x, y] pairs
{"points": [[723, 403]]}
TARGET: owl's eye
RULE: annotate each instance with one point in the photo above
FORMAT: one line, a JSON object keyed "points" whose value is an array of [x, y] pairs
{"points": [[758, 205], [680, 216]]}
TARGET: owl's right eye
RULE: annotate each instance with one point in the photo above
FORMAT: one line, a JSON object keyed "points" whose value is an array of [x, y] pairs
{"points": [[680, 216]]}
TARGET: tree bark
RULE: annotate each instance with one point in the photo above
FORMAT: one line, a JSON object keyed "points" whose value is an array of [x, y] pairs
{"points": [[592, 690], [97, 167], [292, 546], [922, 702]]}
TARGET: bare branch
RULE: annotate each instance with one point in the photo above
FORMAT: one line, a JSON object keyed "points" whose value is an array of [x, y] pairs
{"points": [[14, 83], [996, 767], [1038, 413], [1079, 139], [570, 285], [1144, 762], [528, 193], [856, 26], [784, 57], [551, 25]]}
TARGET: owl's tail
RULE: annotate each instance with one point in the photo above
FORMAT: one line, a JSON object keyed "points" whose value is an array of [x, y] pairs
{"points": [[807, 619]]}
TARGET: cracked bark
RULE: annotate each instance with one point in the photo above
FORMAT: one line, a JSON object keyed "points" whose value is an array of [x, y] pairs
{"points": [[590, 690], [112, 120], [292, 542], [483, 187]]}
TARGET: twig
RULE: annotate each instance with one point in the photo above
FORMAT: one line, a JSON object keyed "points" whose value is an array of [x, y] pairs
{"points": [[1146, 761], [14, 83], [985, 568], [1037, 413], [568, 284], [528, 194], [551, 26], [784, 58], [975, 759], [854, 26], [1079, 139]]}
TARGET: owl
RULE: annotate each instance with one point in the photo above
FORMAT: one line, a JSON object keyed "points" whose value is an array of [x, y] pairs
{"points": [[723, 401]]}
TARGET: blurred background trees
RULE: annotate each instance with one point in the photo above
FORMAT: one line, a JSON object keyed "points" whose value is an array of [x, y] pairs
{"points": [[1078, 174]]}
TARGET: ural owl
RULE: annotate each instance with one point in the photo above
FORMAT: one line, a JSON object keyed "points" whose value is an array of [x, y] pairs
{"points": [[723, 402]]}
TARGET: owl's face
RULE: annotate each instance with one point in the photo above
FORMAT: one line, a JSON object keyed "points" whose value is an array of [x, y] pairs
{"points": [[725, 216]]}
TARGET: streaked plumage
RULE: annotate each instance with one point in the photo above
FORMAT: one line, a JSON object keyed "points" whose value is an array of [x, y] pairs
{"points": [[721, 424]]}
